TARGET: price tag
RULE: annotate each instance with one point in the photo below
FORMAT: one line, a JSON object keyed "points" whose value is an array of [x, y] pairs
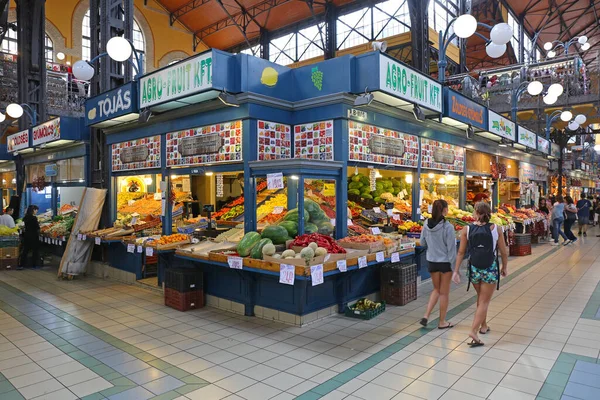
{"points": [[389, 212], [375, 231], [362, 262], [275, 181], [316, 274], [380, 256], [157, 196], [396, 217], [79, 236], [341, 265], [327, 257], [376, 210], [149, 251], [277, 210], [332, 220], [48, 240], [132, 202], [287, 274], [98, 241], [83, 237], [140, 249], [133, 220], [350, 222], [131, 248], [429, 209], [235, 262], [395, 257]]}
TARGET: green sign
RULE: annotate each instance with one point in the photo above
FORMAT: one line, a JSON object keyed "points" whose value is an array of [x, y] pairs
{"points": [[399, 80], [317, 77], [179, 80]]}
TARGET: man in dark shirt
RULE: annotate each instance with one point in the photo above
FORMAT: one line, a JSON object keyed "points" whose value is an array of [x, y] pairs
{"points": [[583, 214]]}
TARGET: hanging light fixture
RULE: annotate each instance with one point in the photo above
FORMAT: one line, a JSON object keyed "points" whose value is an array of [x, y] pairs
{"points": [[573, 126], [551, 54], [83, 70], [566, 116], [580, 119], [118, 48], [549, 99], [495, 50], [14, 110], [547, 46], [585, 46], [556, 89], [582, 40], [501, 33], [535, 87], [465, 26], [2, 117]]}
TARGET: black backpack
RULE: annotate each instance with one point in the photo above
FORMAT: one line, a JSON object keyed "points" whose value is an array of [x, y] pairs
{"points": [[482, 252]]}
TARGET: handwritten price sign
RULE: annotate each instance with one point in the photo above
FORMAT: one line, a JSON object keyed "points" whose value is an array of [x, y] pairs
{"points": [[395, 257], [149, 251], [380, 256], [131, 248], [287, 274], [140, 249], [362, 262], [342, 266], [316, 274], [98, 241], [275, 181], [235, 262]]}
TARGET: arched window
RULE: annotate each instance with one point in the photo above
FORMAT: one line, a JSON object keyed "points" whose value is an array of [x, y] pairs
{"points": [[175, 61], [139, 43], [10, 44]]}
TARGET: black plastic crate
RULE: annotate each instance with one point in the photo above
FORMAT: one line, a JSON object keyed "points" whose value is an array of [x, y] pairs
{"points": [[398, 274], [399, 295], [183, 279]]}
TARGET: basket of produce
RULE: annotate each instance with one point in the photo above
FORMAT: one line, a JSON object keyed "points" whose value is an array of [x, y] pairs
{"points": [[371, 243], [365, 309], [146, 223], [170, 241]]}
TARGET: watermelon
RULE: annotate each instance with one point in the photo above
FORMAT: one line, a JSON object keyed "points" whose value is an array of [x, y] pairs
{"points": [[249, 240], [325, 228], [291, 227], [311, 206], [256, 252], [310, 228], [353, 191], [292, 215], [278, 234]]}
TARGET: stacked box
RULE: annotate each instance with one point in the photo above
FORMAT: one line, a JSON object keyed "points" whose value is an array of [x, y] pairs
{"points": [[184, 301], [398, 283], [184, 289]]}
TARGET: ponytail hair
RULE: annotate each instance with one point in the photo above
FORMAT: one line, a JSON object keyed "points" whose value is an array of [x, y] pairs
{"points": [[437, 210], [483, 211]]}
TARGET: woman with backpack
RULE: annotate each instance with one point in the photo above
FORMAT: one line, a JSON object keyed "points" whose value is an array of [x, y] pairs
{"points": [[483, 240], [439, 238], [570, 218]]}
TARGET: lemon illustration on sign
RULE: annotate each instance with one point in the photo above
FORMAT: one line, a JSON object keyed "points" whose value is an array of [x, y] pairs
{"points": [[269, 77], [92, 113]]}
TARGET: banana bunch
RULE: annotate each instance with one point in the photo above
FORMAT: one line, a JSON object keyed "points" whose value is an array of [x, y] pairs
{"points": [[366, 304]]}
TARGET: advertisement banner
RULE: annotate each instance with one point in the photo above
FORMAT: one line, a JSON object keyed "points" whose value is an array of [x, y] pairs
{"points": [[112, 104], [274, 141], [18, 141], [554, 150], [527, 138], [314, 141], [401, 81], [46, 132], [541, 173], [442, 156], [136, 154], [218, 143], [372, 144], [181, 79], [503, 127], [465, 110], [526, 171], [543, 145]]}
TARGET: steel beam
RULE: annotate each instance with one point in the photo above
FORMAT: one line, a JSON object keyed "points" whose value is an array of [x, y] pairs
{"points": [[419, 23], [186, 8]]}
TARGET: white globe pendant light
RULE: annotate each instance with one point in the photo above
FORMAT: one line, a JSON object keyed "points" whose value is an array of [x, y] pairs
{"points": [[535, 87], [465, 26], [551, 54], [566, 116], [580, 119], [556, 89], [14, 110], [549, 99], [548, 46], [585, 46], [597, 147], [495, 50], [118, 48], [501, 33], [83, 70], [573, 126], [582, 40], [2, 117]]}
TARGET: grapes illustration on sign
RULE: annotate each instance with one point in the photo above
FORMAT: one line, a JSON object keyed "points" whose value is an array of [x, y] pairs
{"points": [[317, 78]]}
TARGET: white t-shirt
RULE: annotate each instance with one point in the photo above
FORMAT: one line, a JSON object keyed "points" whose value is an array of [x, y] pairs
{"points": [[7, 220]]}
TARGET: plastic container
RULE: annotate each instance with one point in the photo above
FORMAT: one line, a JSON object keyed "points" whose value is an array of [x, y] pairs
{"points": [[184, 301], [183, 279], [364, 314]]}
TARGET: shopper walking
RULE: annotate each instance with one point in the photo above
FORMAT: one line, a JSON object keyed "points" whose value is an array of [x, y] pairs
{"points": [[570, 218], [439, 238], [30, 237], [558, 217], [584, 207], [592, 210], [543, 207], [483, 241]]}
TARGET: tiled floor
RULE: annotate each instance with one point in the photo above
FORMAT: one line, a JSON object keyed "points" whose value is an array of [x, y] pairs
{"points": [[96, 339]]}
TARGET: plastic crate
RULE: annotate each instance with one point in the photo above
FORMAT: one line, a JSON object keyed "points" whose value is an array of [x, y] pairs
{"points": [[399, 295], [9, 263], [9, 241], [520, 250], [398, 273], [364, 314], [9, 252], [184, 301], [183, 280]]}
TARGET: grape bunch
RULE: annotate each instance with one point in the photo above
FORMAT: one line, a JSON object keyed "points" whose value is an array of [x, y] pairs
{"points": [[317, 78]]}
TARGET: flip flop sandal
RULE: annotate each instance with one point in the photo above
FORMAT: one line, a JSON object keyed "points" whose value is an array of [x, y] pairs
{"points": [[474, 343], [423, 322], [481, 332], [446, 327]]}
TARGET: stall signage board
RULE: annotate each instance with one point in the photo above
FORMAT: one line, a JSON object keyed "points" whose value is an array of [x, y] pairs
{"points": [[527, 138], [543, 145], [46, 132], [462, 109], [18, 141], [399, 80], [179, 80], [274, 141], [498, 125], [554, 150], [526, 171], [357, 114], [51, 170], [541, 173], [442, 156], [314, 141], [372, 144], [112, 104], [136, 154], [182, 144], [275, 181]]}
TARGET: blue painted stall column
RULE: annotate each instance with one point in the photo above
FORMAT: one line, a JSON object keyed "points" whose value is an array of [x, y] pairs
{"points": [[249, 151], [54, 198], [166, 200], [416, 190], [462, 188], [340, 147], [301, 221]]}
